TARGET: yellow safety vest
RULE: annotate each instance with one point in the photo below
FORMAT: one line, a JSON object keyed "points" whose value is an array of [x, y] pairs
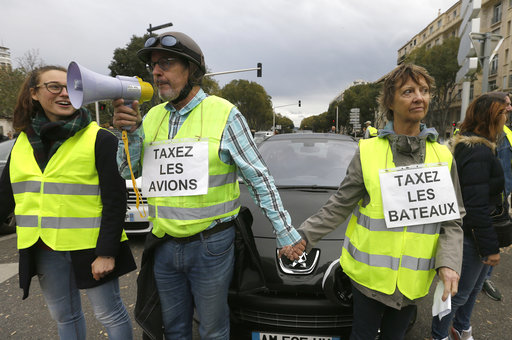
{"points": [[182, 216], [373, 131], [61, 205], [508, 133], [383, 259]]}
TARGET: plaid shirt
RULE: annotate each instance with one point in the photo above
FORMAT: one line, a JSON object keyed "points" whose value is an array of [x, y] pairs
{"points": [[236, 147]]}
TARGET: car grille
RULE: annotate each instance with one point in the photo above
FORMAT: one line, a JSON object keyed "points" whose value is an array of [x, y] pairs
{"points": [[299, 321], [131, 198]]}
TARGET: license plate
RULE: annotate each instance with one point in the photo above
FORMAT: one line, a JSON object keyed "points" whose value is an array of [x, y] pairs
{"points": [[129, 217], [276, 336]]}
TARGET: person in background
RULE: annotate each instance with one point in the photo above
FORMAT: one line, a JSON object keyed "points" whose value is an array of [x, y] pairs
{"points": [[505, 157], [384, 263], [69, 201], [482, 184], [190, 249], [370, 131]]}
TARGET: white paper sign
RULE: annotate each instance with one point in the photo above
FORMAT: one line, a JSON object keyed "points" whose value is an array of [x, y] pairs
{"points": [[418, 194], [175, 168]]}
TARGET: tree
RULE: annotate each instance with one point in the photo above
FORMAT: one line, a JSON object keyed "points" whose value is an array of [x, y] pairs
{"points": [[285, 122], [253, 102], [10, 83], [12, 79], [30, 61], [210, 86], [441, 63]]}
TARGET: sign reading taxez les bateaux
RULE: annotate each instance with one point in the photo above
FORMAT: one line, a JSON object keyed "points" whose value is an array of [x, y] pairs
{"points": [[175, 168], [418, 194]]}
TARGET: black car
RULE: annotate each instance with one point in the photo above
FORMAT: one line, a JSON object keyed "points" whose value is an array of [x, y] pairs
{"points": [[8, 226], [298, 301]]}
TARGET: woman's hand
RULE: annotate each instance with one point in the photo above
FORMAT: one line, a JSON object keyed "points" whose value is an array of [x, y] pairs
{"points": [[492, 260], [102, 266]]}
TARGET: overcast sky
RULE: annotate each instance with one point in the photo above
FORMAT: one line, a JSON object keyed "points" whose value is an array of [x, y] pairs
{"points": [[310, 50]]}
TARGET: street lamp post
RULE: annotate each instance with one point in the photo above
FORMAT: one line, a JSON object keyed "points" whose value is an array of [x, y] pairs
{"points": [[274, 114]]}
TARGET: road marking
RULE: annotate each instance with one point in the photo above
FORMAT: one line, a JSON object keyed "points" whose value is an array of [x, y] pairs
{"points": [[8, 270]]}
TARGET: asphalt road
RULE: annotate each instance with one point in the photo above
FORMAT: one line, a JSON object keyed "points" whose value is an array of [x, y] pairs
{"points": [[29, 319]]}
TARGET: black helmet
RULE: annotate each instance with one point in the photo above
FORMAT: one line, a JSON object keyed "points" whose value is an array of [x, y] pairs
{"points": [[177, 43]]}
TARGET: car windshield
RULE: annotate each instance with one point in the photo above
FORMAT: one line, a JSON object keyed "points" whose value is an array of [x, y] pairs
{"points": [[308, 162]]}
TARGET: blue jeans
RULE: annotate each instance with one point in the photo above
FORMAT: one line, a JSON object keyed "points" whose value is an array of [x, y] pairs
{"points": [[195, 274], [62, 296], [370, 315], [471, 281]]}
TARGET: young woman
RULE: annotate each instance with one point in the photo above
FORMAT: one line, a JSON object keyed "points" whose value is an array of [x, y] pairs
{"points": [[482, 183], [61, 180]]}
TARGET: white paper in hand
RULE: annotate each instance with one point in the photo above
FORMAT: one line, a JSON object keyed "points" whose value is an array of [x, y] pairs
{"points": [[439, 307]]}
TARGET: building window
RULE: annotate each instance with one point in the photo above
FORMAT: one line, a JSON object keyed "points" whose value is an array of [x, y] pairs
{"points": [[492, 85], [506, 56], [494, 65], [509, 81], [437, 42], [429, 46], [508, 27], [496, 13], [425, 34], [455, 13], [471, 92], [414, 42], [439, 23], [431, 29]]}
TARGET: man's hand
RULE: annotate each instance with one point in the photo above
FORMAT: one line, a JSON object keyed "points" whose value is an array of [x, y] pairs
{"points": [[293, 252], [450, 279], [126, 116], [102, 266]]}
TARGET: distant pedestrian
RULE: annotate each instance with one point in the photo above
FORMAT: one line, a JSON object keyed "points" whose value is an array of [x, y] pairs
{"points": [[370, 131]]}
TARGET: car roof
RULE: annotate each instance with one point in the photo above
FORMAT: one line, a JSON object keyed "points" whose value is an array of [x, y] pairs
{"points": [[312, 136]]}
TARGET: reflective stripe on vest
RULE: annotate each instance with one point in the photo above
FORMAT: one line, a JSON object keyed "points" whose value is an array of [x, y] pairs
{"points": [[182, 216], [383, 259], [61, 206]]}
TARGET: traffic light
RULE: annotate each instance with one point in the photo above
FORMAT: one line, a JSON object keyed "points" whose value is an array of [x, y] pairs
{"points": [[299, 103], [102, 107], [258, 72], [453, 124]]}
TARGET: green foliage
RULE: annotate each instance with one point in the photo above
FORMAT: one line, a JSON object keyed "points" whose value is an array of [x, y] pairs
{"points": [[441, 63], [285, 122], [210, 86], [362, 96], [10, 83], [253, 102], [125, 61]]}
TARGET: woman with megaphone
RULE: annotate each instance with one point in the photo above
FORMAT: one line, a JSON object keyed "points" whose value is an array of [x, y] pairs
{"points": [[69, 201]]}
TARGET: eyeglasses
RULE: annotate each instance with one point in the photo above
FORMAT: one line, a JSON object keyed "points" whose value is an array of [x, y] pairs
{"points": [[164, 63], [53, 87]]}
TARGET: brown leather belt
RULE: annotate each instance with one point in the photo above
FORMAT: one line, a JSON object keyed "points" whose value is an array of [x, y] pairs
{"points": [[206, 233]]}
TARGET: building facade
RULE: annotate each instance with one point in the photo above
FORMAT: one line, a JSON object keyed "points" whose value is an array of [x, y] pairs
{"points": [[495, 17], [5, 58]]}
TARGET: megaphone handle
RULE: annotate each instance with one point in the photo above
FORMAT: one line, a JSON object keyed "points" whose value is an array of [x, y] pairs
{"points": [[128, 103]]}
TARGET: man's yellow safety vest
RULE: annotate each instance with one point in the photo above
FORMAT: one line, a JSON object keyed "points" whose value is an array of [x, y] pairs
{"points": [[182, 216], [61, 205], [383, 259]]}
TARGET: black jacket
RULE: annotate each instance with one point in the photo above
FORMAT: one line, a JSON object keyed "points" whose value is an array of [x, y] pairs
{"points": [[482, 183]]}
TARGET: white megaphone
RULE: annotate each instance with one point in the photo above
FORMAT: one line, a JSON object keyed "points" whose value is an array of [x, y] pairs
{"points": [[86, 86]]}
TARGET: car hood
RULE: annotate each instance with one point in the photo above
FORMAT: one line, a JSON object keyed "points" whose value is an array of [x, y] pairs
{"points": [[300, 202]]}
